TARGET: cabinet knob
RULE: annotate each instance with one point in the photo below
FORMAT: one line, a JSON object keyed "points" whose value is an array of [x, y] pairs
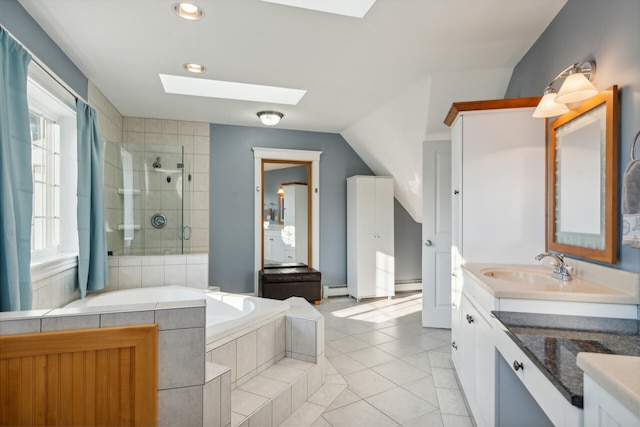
{"points": [[469, 318], [454, 345], [428, 243], [517, 365], [456, 192], [454, 274]]}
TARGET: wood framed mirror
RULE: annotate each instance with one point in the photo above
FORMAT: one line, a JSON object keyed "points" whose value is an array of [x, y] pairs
{"points": [[286, 198], [582, 176]]}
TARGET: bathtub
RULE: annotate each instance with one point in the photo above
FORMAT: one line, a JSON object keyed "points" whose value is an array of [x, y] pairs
{"points": [[226, 314]]}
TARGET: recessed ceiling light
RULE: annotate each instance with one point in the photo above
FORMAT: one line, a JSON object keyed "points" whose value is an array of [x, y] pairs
{"points": [[195, 68], [230, 90], [352, 8], [188, 11]]}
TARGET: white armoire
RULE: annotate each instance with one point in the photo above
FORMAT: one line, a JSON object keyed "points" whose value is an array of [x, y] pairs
{"points": [[370, 237]]}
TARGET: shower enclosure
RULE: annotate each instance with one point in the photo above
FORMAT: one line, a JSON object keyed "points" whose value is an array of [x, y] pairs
{"points": [[147, 195]]}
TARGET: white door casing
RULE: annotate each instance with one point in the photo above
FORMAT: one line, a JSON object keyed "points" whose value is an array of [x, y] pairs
{"points": [[260, 153], [436, 235]]}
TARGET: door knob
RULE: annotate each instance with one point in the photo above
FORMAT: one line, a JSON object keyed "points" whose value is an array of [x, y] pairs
{"points": [[428, 243]]}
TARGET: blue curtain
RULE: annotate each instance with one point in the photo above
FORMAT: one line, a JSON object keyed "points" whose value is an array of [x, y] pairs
{"points": [[92, 236], [16, 182]]}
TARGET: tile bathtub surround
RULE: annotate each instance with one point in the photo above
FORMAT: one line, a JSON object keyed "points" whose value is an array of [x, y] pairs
{"points": [[298, 335], [57, 290], [127, 272], [181, 361]]}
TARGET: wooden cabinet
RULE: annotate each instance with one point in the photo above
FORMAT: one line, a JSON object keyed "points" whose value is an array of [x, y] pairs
{"points": [[370, 237]]}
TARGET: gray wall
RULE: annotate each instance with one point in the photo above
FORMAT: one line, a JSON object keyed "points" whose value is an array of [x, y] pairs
{"points": [[604, 30], [231, 204], [26, 30]]}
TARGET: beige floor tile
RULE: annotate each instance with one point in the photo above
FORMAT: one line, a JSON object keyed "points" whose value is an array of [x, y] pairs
{"points": [[444, 378], [400, 405], [450, 401], [374, 337], [367, 383], [456, 421], [440, 360], [326, 394], [304, 416], [424, 389], [428, 342], [346, 365], [321, 422], [359, 413], [432, 419], [371, 356], [399, 348], [399, 372], [347, 397], [419, 360], [347, 344]]}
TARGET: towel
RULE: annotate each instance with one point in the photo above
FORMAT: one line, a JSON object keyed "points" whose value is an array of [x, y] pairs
{"points": [[631, 201]]}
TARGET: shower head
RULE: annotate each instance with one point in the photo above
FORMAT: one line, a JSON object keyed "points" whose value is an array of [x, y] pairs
{"points": [[157, 164]]}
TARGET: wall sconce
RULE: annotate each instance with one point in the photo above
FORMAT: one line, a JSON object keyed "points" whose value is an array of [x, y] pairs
{"points": [[281, 191], [577, 87], [270, 118]]}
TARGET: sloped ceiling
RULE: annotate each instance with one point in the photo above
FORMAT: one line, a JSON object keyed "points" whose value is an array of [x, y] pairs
{"points": [[384, 82]]}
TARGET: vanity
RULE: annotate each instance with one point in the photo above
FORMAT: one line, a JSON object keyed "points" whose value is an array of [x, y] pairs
{"points": [[531, 349], [519, 338]]}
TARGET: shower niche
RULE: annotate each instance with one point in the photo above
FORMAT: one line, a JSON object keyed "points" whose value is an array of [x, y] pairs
{"points": [[148, 190]]}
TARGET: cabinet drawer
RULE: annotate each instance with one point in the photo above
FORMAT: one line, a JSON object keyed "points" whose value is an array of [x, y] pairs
{"points": [[555, 406]]}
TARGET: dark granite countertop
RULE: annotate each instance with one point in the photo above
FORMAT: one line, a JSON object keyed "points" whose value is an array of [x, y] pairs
{"points": [[553, 342]]}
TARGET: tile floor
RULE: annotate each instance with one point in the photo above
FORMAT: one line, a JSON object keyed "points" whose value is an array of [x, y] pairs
{"points": [[383, 368]]}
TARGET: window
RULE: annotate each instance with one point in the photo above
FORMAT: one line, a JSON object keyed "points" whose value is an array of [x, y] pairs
{"points": [[45, 161], [52, 121]]}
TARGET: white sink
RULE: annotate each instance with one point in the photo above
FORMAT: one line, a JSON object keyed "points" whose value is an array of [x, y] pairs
{"points": [[536, 282], [522, 276]]}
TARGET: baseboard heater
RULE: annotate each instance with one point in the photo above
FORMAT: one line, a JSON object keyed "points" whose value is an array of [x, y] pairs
{"points": [[341, 290]]}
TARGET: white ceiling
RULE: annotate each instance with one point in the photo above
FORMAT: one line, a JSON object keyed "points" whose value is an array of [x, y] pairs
{"points": [[353, 69]]}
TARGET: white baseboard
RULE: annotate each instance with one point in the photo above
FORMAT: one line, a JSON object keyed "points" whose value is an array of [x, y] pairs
{"points": [[406, 287], [337, 290]]}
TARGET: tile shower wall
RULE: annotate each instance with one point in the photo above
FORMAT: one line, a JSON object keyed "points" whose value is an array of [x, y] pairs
{"points": [[194, 137]]}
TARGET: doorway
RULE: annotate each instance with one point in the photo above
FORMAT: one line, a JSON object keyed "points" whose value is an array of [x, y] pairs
{"points": [[284, 156]]}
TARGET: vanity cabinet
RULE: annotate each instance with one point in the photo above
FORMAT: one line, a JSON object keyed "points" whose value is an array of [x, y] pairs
{"points": [[601, 409], [498, 182], [370, 237], [473, 351], [273, 247]]}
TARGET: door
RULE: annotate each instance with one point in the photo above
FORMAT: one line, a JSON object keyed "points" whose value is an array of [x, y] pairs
{"points": [[436, 235]]}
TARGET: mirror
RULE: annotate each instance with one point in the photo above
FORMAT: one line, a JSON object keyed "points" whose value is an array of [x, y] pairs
{"points": [[582, 173], [286, 239]]}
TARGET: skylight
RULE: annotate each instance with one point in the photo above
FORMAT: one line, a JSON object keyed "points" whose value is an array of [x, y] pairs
{"points": [[353, 8], [230, 90]]}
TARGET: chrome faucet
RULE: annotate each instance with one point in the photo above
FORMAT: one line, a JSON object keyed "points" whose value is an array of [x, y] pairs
{"points": [[560, 269]]}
